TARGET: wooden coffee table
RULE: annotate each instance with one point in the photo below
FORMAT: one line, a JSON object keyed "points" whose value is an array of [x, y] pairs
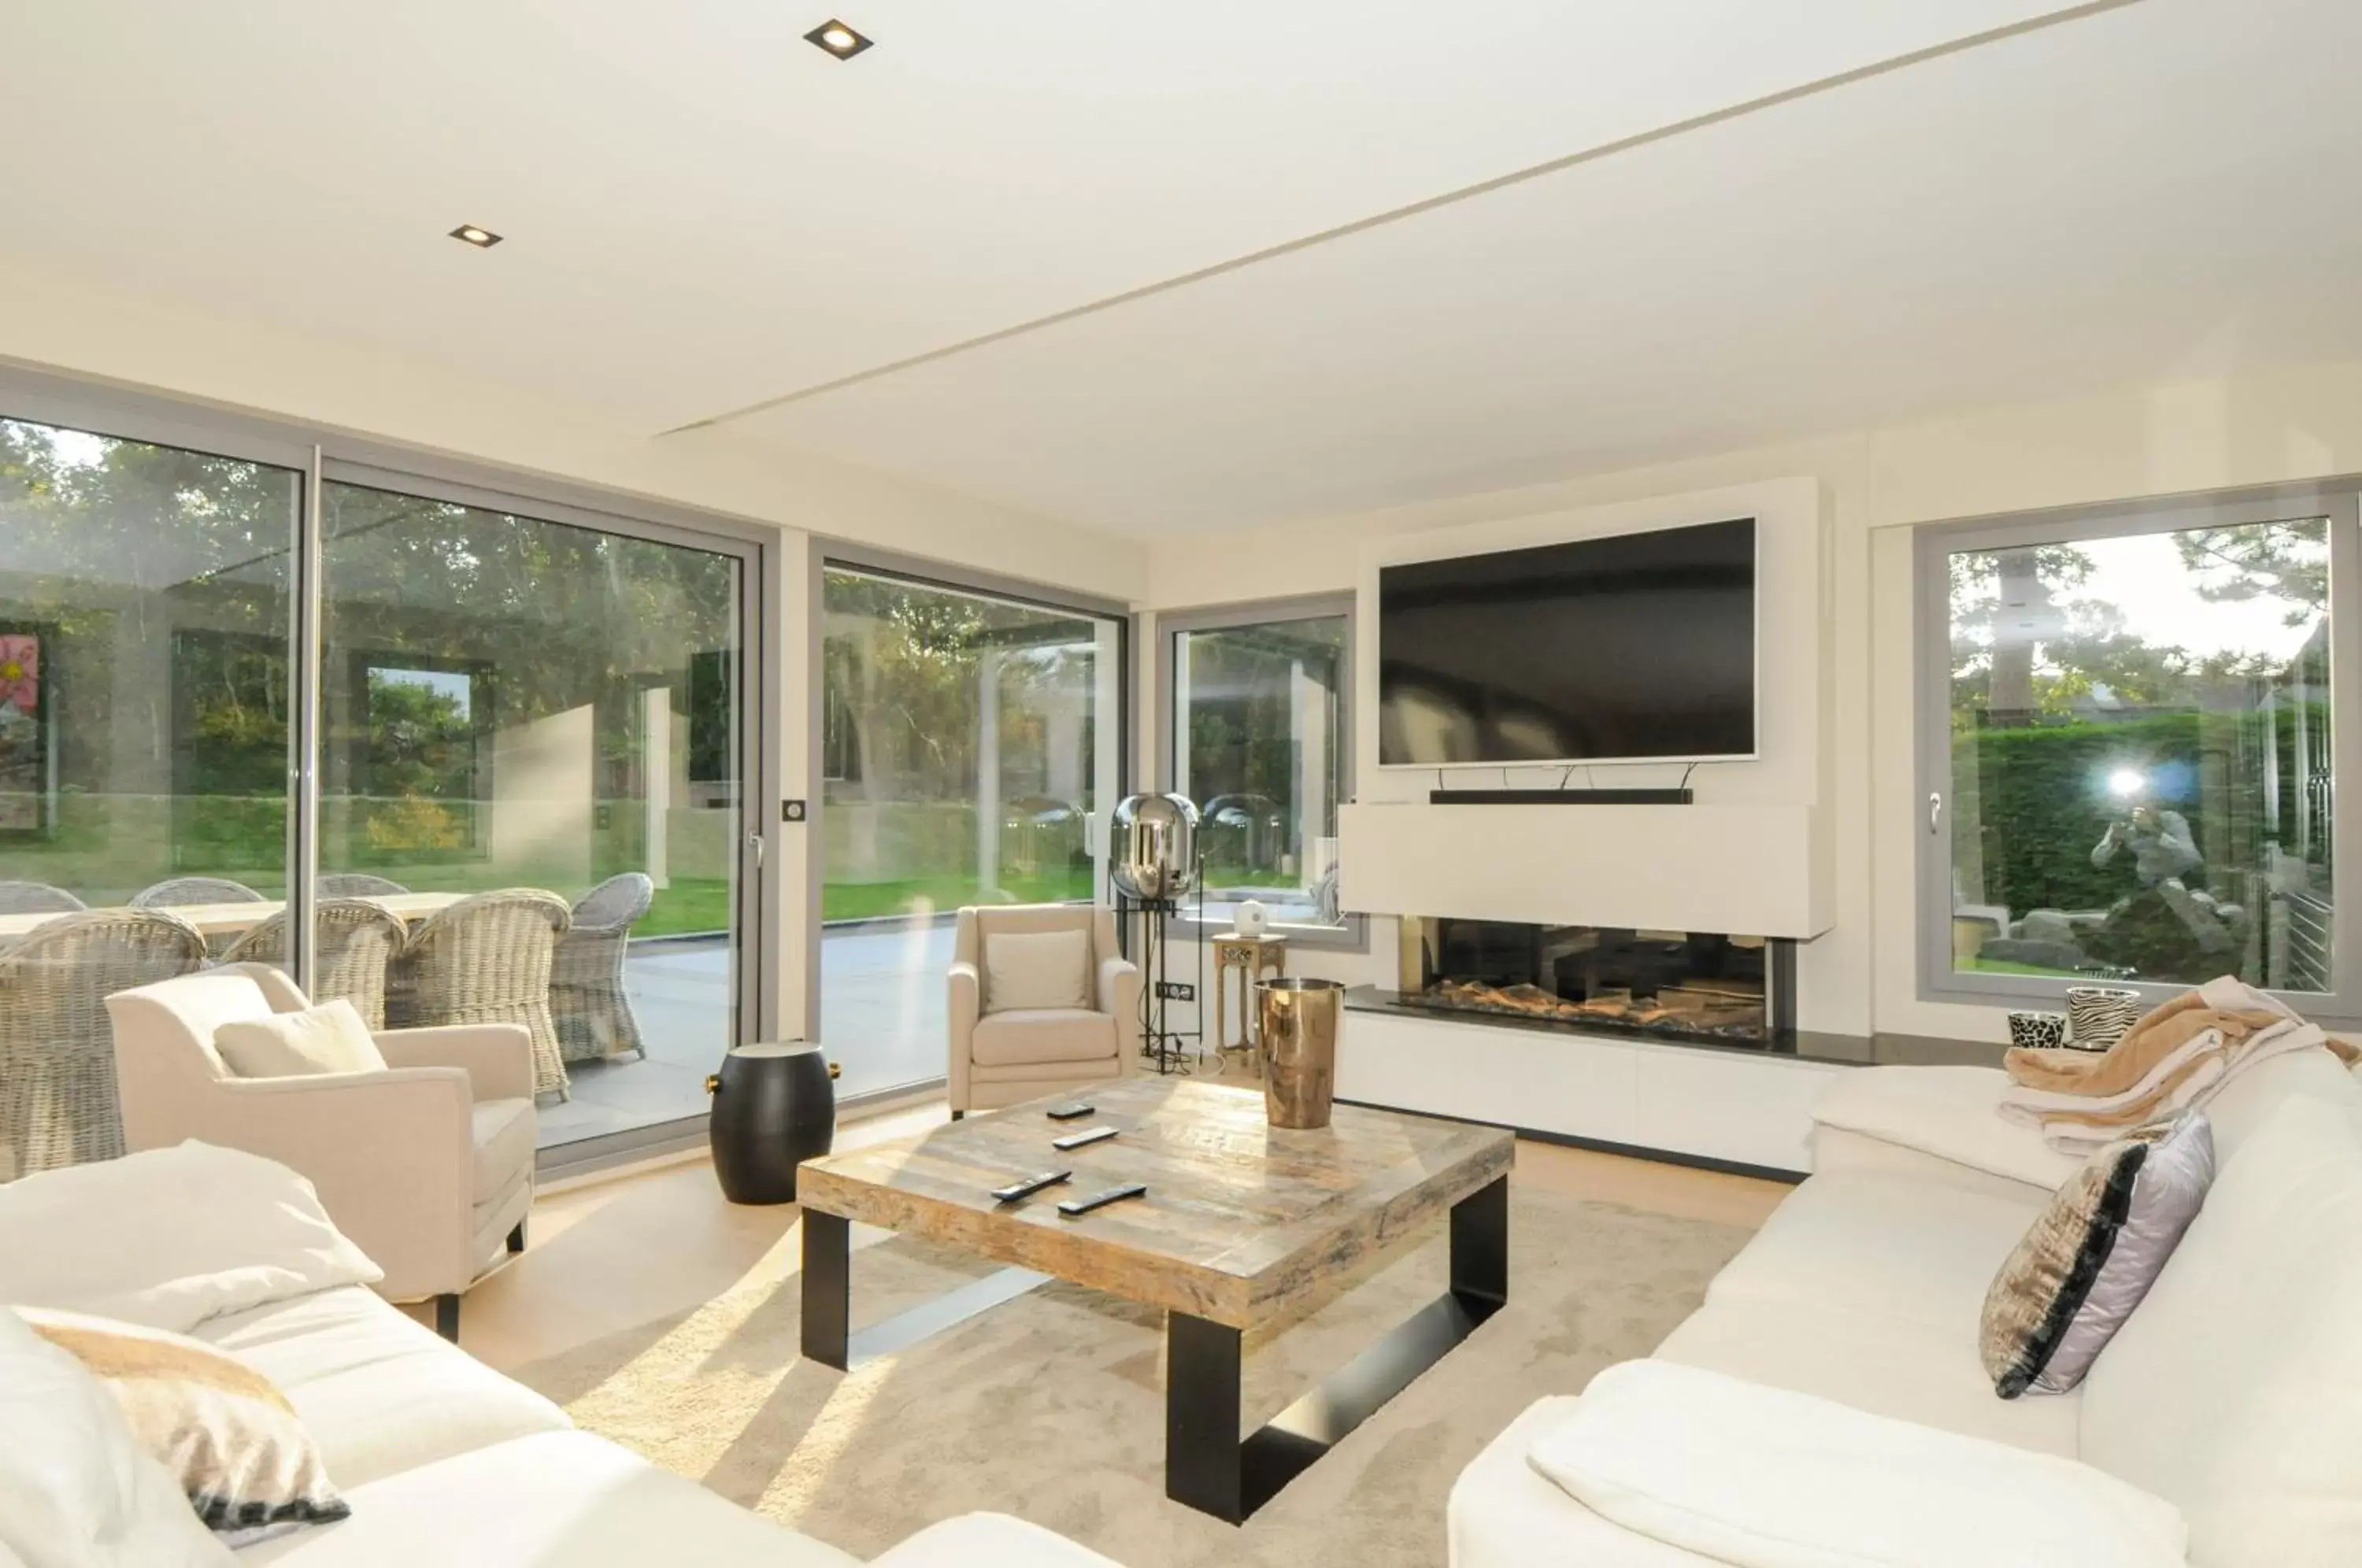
{"points": [[1242, 1224]]}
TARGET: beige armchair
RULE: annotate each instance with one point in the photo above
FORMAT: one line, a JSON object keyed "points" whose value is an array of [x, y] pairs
{"points": [[1000, 1055], [426, 1166]]}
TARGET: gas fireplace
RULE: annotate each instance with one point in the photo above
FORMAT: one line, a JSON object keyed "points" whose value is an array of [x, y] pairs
{"points": [[1736, 990]]}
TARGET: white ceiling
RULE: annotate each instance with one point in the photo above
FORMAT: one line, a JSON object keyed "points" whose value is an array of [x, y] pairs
{"points": [[707, 215]]}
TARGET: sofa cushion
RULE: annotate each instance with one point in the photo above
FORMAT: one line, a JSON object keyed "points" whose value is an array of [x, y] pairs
{"points": [[1042, 1034], [2236, 1391], [989, 1541], [1905, 1367], [328, 1038], [1772, 1478], [552, 1500], [503, 1132], [1913, 1250], [1503, 1514], [379, 1392], [1033, 971], [169, 1237], [1950, 1112]]}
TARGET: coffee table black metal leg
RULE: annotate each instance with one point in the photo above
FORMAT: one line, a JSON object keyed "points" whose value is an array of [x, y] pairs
{"points": [[1210, 1467], [828, 1288], [1201, 1416], [1480, 1248]]}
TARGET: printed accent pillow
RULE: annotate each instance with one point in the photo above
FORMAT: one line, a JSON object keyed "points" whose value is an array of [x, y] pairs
{"points": [[329, 1038], [223, 1431], [2091, 1256], [1036, 969]]}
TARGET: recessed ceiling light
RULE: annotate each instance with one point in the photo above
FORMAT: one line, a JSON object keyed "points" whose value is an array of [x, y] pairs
{"points": [[481, 239], [837, 40]]}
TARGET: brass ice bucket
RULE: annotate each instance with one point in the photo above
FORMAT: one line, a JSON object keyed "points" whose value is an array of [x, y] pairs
{"points": [[1298, 1040]]}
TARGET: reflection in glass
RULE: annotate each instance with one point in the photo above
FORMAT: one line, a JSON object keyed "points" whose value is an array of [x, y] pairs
{"points": [[2141, 763], [969, 752], [143, 702], [511, 709], [1258, 745]]}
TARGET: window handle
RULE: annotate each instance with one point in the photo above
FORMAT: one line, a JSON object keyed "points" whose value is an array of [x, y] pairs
{"points": [[755, 843], [1935, 811]]}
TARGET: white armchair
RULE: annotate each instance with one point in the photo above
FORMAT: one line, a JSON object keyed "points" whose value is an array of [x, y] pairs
{"points": [[426, 1166], [1002, 1053]]}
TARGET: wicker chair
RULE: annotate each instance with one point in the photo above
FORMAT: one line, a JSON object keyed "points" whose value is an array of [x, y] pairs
{"points": [[58, 1104], [195, 890], [487, 959], [37, 897], [357, 940], [586, 987], [356, 885]]}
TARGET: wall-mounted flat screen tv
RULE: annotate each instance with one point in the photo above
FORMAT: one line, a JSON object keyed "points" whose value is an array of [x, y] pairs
{"points": [[1632, 647]]}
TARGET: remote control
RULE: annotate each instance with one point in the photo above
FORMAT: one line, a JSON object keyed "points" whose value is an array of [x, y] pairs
{"points": [[1075, 1206], [1027, 1186], [1074, 1140], [1071, 1110]]}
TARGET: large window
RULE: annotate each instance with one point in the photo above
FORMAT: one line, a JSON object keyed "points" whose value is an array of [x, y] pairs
{"points": [[1259, 739], [971, 753], [2135, 775]]}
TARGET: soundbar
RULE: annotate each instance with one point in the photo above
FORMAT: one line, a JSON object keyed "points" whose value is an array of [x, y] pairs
{"points": [[1559, 798]]}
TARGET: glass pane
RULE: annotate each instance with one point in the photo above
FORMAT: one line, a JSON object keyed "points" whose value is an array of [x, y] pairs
{"points": [[143, 702], [969, 749], [548, 714], [1257, 743], [2141, 760]]}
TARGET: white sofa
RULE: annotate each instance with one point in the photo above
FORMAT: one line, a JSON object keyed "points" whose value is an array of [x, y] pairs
{"points": [[444, 1461], [2234, 1392]]}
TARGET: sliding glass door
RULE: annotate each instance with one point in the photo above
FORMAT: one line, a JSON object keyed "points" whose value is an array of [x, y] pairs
{"points": [[447, 759], [543, 720], [971, 753]]}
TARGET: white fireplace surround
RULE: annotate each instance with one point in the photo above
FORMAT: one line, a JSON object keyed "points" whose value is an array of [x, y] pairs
{"points": [[1751, 857]]}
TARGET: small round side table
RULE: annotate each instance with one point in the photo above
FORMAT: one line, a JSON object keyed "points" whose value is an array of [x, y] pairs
{"points": [[774, 1108], [1251, 955]]}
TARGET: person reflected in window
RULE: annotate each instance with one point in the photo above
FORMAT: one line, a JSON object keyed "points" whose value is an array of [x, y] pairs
{"points": [[2171, 928]]}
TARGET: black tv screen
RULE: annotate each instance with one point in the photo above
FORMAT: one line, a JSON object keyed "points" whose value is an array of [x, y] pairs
{"points": [[1629, 648]]}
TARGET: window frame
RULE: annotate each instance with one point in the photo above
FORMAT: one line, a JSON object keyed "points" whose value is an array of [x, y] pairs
{"points": [[2340, 503], [1352, 935]]}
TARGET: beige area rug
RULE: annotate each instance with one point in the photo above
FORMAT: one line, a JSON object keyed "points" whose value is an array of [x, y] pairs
{"points": [[1050, 1406]]}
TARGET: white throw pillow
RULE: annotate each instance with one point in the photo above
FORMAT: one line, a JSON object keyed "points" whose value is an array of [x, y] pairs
{"points": [[170, 1237], [1036, 969], [1740, 1473], [329, 1038], [76, 1489]]}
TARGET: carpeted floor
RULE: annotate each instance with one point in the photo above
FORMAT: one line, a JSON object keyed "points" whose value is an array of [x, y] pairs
{"points": [[1050, 1406]]}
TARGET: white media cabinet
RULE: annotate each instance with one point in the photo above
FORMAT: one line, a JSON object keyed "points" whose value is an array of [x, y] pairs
{"points": [[1707, 1104]]}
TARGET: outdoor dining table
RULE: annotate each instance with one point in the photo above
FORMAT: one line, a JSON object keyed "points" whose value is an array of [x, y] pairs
{"points": [[222, 924]]}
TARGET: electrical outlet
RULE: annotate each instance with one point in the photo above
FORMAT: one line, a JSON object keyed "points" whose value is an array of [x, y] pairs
{"points": [[1176, 990]]}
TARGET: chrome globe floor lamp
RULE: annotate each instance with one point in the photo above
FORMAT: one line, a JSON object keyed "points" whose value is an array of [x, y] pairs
{"points": [[1154, 864]]}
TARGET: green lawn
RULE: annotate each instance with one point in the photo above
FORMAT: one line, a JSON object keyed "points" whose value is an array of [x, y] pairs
{"points": [[865, 900]]}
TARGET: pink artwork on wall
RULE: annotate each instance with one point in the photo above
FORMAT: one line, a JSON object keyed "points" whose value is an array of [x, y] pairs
{"points": [[20, 672]]}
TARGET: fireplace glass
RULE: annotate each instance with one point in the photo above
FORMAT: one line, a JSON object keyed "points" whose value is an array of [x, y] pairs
{"points": [[1693, 984]]}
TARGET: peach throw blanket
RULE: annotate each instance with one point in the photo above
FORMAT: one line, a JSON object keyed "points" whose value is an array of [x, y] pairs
{"points": [[2178, 1057]]}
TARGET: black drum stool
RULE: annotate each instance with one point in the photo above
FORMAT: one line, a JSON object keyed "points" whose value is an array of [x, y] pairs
{"points": [[774, 1106]]}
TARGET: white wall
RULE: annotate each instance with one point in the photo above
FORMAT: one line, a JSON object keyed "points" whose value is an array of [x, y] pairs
{"points": [[2168, 438]]}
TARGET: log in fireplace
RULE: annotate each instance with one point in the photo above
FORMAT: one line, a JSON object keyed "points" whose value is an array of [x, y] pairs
{"points": [[1702, 986]]}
